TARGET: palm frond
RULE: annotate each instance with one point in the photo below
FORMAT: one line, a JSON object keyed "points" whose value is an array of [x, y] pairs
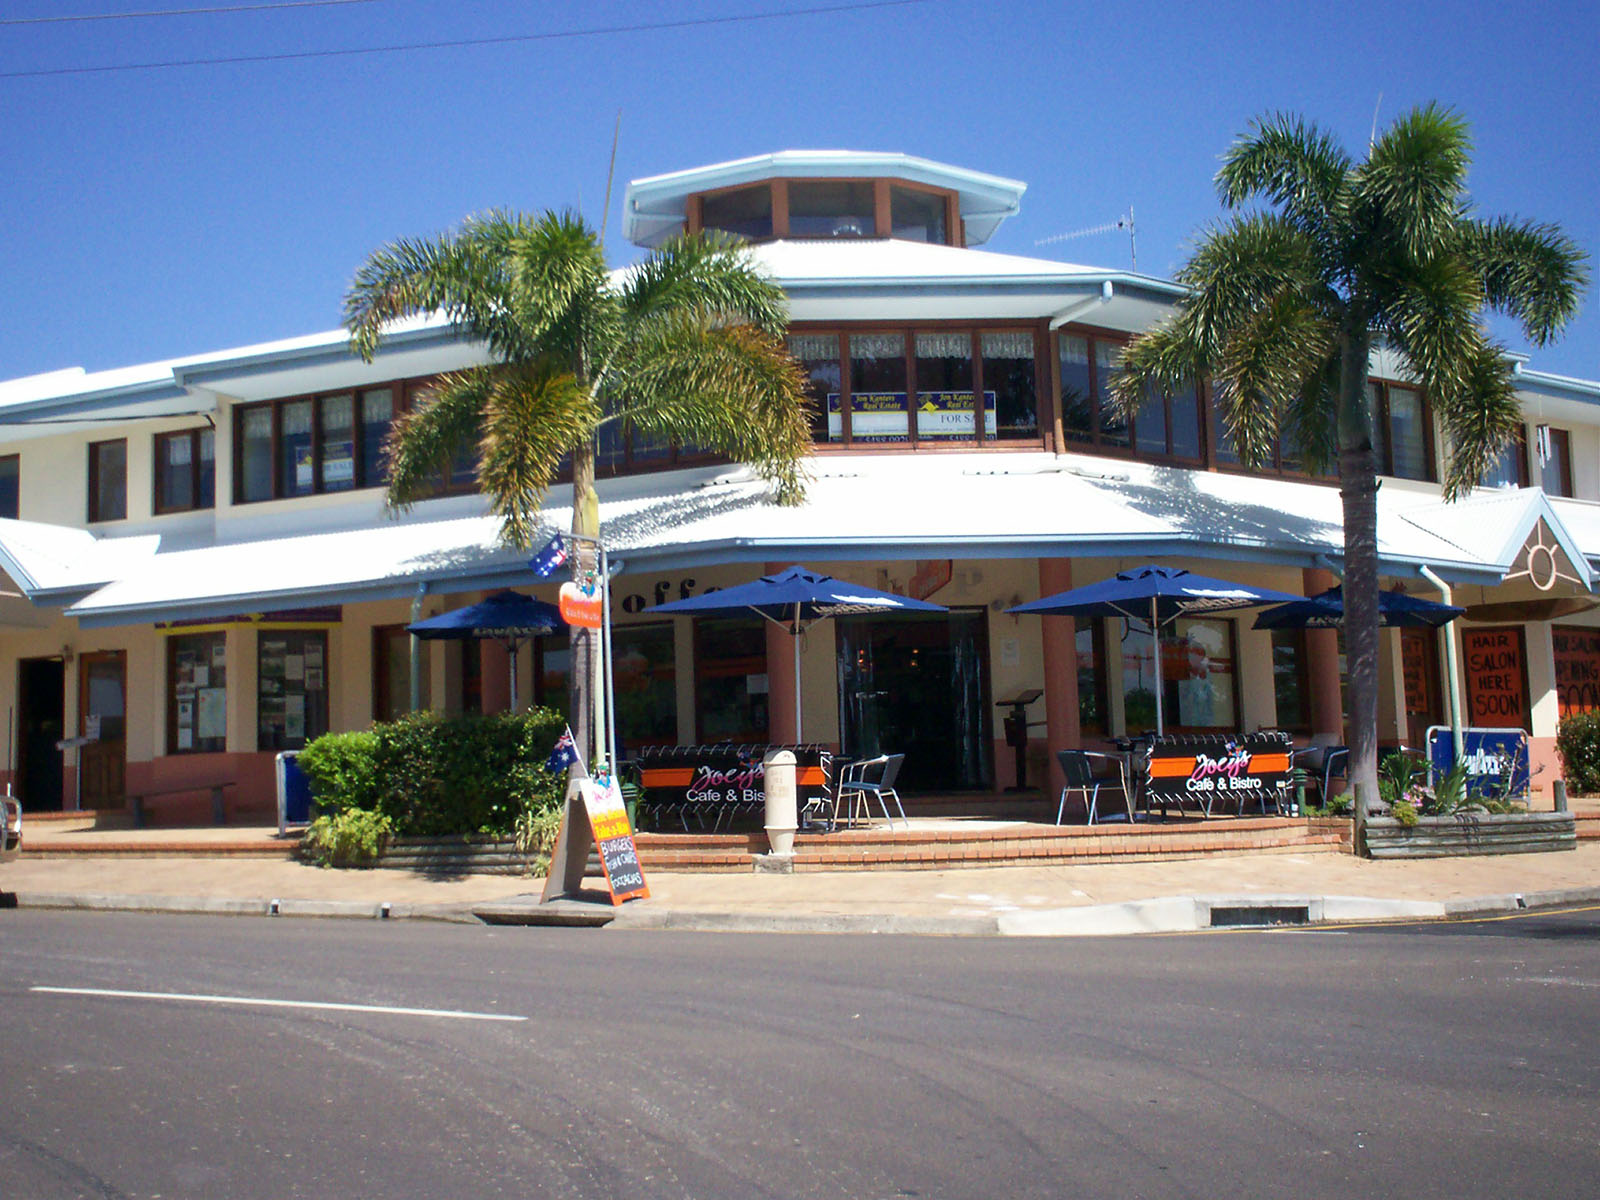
{"points": [[414, 277], [1414, 179], [1533, 272], [731, 389], [1310, 423], [1291, 163], [708, 274], [1480, 414], [534, 414], [1266, 366], [1240, 265], [1430, 314], [1160, 362], [422, 443]]}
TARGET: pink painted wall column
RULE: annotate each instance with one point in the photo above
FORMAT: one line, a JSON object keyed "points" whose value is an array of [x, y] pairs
{"points": [[780, 678], [496, 670], [1060, 671], [1322, 664]]}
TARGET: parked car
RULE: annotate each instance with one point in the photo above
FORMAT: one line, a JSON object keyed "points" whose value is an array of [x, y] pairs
{"points": [[10, 827]]}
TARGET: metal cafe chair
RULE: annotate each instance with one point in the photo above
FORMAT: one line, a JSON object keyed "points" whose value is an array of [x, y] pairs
{"points": [[1077, 769], [872, 778]]}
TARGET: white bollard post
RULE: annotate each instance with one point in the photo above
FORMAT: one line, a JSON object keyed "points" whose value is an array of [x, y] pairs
{"points": [[779, 769]]}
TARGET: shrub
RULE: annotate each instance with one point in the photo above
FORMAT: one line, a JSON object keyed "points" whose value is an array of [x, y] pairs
{"points": [[536, 831], [342, 768], [1578, 742], [351, 838]]}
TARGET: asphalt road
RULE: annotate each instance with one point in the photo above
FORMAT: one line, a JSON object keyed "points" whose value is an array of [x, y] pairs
{"points": [[1428, 1061]]}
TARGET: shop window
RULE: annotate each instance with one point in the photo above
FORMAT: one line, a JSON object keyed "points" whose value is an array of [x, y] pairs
{"points": [[1077, 389], [1290, 679], [1577, 660], [10, 485], [291, 688], [917, 216], [197, 693], [391, 673], [1196, 676], [1555, 472], [743, 212], [1400, 438], [1010, 404], [1163, 426], [1091, 652], [644, 683], [108, 480], [832, 208], [1495, 664], [730, 680], [185, 470], [336, 465], [877, 388]]}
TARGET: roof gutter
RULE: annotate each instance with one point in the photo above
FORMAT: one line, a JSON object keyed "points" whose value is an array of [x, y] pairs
{"points": [[1073, 311]]}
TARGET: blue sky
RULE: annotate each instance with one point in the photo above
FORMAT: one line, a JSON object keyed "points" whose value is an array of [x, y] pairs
{"points": [[151, 213]]}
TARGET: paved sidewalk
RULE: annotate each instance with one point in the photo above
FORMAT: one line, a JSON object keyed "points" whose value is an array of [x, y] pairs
{"points": [[1023, 900]]}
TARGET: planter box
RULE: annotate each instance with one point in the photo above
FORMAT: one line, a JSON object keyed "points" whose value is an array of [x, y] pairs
{"points": [[455, 856], [1472, 833]]}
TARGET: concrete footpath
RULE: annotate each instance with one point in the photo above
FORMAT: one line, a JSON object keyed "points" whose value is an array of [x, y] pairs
{"points": [[209, 874]]}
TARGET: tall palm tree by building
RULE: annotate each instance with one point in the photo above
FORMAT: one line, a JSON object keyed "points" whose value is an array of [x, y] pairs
{"points": [[684, 347], [1286, 302]]}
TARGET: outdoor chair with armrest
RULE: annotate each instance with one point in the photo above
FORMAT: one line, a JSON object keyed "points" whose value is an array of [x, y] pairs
{"points": [[861, 781], [1078, 770]]}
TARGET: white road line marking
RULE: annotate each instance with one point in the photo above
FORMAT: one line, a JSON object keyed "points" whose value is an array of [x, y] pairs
{"points": [[270, 1003]]}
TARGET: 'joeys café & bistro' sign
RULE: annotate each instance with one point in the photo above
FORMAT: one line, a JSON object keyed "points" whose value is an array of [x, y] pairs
{"points": [[1218, 770]]}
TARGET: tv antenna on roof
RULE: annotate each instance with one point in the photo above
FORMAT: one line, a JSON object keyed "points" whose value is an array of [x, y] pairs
{"points": [[1123, 222]]}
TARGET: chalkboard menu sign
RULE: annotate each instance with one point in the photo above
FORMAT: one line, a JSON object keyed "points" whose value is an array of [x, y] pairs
{"points": [[1577, 651], [1497, 678], [613, 838]]}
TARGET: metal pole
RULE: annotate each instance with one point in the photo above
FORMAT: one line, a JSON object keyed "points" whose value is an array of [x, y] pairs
{"points": [[798, 739], [511, 660], [610, 728], [416, 649], [1155, 636]]}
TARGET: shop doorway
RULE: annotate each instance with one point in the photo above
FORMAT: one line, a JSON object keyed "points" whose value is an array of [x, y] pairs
{"points": [[102, 717], [1419, 661], [41, 723], [915, 684]]}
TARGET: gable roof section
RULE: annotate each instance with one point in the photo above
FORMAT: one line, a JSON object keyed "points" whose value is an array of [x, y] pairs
{"points": [[1496, 525]]}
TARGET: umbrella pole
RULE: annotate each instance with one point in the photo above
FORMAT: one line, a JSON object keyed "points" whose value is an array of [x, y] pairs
{"points": [[797, 738], [511, 655], [1155, 635]]}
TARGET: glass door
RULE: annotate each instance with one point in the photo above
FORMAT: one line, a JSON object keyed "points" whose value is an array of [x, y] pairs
{"points": [[915, 684]]}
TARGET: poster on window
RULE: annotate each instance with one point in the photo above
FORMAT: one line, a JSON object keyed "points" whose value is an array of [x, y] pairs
{"points": [[211, 713], [1577, 652], [1497, 679]]}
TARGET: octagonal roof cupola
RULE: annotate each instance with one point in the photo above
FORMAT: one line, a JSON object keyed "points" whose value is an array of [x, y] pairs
{"points": [[823, 194]]}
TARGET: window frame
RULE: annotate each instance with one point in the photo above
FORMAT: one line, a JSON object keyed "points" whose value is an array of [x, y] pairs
{"points": [[94, 513], [1382, 415], [11, 464], [158, 463], [367, 475], [323, 711], [1093, 443], [1564, 436], [883, 221], [1043, 389], [210, 640]]}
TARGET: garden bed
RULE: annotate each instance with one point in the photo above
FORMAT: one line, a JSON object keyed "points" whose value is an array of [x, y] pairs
{"points": [[1471, 833]]}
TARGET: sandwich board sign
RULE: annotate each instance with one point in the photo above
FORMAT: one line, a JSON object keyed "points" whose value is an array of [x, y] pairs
{"points": [[595, 817]]}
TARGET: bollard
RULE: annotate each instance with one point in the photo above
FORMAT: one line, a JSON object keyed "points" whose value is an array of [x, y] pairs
{"points": [[779, 769], [1559, 787]]}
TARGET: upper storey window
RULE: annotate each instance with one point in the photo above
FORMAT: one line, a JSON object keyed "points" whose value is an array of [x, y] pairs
{"points": [[917, 216], [842, 208], [1164, 426], [830, 208], [10, 485], [185, 470], [299, 447], [108, 480], [745, 212]]}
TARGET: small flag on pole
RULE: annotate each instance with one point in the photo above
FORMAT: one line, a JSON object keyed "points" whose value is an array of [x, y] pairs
{"points": [[564, 755], [551, 557]]}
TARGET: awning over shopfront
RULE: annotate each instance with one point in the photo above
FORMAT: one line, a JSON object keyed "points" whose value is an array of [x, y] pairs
{"points": [[860, 508]]}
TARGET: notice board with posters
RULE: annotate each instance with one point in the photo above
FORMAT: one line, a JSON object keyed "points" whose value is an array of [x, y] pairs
{"points": [[1577, 653], [1497, 676]]}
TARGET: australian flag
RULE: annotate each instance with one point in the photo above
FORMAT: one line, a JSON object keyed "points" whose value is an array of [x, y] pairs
{"points": [[551, 557], [564, 755]]}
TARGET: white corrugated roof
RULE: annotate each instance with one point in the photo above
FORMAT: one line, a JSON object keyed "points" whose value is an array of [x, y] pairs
{"points": [[961, 505]]}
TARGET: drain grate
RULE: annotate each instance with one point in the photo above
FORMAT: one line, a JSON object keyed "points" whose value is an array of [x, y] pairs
{"points": [[1260, 914]]}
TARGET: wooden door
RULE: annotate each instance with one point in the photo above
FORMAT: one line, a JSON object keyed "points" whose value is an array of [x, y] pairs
{"points": [[102, 715]]}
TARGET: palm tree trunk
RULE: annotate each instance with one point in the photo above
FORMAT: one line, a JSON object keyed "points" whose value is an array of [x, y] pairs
{"points": [[582, 673], [1358, 490]]}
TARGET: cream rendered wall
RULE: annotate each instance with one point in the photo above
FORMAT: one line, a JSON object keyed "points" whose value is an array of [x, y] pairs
{"points": [[1258, 694], [1541, 660], [1391, 688]]}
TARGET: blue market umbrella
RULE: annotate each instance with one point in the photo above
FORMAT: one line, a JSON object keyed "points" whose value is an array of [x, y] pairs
{"points": [[1325, 610], [1156, 596], [796, 599], [508, 617]]}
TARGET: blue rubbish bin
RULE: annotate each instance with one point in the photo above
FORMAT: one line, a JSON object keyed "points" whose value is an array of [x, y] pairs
{"points": [[294, 792]]}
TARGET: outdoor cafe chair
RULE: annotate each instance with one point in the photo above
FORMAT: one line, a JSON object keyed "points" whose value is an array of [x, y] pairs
{"points": [[861, 782], [1078, 770]]}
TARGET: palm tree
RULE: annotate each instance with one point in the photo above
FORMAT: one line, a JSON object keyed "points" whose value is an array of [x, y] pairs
{"points": [[684, 347], [1286, 302]]}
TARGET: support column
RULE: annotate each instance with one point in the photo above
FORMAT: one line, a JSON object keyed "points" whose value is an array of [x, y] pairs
{"points": [[1060, 657], [1322, 665], [780, 679]]}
